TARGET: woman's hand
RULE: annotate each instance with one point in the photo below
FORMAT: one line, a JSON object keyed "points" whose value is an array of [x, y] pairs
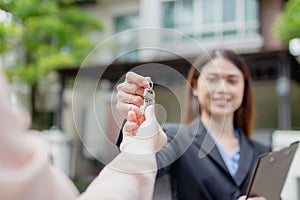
{"points": [[130, 95], [146, 138]]}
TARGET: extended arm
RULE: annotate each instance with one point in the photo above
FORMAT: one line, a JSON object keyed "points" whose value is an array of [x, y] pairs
{"points": [[131, 175]]}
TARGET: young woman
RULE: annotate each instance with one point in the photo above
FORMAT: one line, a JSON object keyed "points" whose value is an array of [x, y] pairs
{"points": [[211, 156]]}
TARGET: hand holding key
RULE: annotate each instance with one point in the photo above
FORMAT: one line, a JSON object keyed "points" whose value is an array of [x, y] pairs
{"points": [[130, 97]]}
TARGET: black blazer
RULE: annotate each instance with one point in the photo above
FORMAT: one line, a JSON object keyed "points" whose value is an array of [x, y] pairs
{"points": [[198, 170]]}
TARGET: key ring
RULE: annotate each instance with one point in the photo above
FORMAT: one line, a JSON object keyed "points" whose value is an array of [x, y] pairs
{"points": [[151, 84]]}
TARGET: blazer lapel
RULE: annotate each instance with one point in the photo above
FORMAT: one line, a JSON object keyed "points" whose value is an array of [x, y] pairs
{"points": [[207, 146], [246, 160]]}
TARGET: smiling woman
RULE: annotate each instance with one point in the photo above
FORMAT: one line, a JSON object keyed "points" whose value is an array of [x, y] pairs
{"points": [[212, 150]]}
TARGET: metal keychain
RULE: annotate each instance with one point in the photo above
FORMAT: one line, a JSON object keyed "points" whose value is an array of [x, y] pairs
{"points": [[149, 97]]}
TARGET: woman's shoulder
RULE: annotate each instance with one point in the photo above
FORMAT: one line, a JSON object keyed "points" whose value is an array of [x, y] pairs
{"points": [[171, 129], [182, 132], [175, 127], [171, 126], [195, 124]]}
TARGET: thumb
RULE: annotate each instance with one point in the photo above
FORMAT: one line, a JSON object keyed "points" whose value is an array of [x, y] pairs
{"points": [[150, 126], [150, 113], [154, 127], [150, 122]]}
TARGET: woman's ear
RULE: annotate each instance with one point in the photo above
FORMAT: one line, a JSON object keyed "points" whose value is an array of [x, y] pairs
{"points": [[195, 87]]}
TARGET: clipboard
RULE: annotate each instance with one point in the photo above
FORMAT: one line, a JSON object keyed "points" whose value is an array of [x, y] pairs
{"points": [[270, 173]]}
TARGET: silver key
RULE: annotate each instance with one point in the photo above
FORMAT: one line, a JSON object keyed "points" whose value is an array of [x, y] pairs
{"points": [[149, 97]]}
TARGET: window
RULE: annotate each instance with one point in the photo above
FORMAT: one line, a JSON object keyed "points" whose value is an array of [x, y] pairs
{"points": [[124, 22], [251, 10], [171, 9], [251, 16], [168, 11], [127, 41], [211, 19], [208, 15], [229, 11]]}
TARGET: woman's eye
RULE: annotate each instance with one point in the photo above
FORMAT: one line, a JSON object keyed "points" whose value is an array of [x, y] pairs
{"points": [[233, 81], [211, 79]]}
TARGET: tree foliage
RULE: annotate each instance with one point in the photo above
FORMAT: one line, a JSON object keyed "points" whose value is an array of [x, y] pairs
{"points": [[45, 35], [50, 33], [287, 24]]}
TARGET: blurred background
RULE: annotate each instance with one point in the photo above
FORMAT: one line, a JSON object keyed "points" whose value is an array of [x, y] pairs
{"points": [[44, 44]]}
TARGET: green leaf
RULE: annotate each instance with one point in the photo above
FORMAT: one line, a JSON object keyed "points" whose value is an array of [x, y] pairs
{"points": [[287, 23]]}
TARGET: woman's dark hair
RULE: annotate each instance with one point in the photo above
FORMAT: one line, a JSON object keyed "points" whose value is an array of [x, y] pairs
{"points": [[243, 116]]}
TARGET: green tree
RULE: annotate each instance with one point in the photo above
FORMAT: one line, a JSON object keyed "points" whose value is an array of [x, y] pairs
{"points": [[287, 23], [50, 34]]}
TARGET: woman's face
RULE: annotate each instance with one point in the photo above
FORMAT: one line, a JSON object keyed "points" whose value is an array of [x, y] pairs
{"points": [[219, 88]]}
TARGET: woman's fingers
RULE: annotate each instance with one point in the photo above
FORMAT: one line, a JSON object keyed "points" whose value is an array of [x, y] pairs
{"points": [[135, 115], [132, 77], [124, 108], [131, 88], [130, 95], [128, 98], [139, 116], [136, 118], [132, 116], [130, 128]]}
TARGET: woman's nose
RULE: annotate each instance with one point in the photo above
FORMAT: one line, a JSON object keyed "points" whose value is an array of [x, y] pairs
{"points": [[221, 87]]}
